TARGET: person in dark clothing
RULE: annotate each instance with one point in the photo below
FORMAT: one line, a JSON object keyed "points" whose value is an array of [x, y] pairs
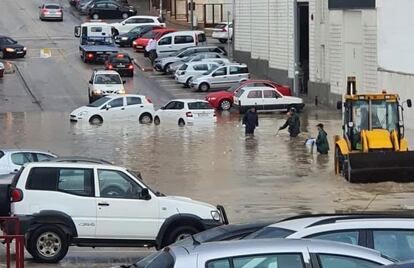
{"points": [[250, 121], [293, 122], [322, 145]]}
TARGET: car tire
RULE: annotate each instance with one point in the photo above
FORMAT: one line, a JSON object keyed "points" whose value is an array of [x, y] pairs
{"points": [[116, 32], [95, 16], [179, 233], [166, 68], [187, 83], [48, 244], [223, 41], [225, 105], [181, 122], [157, 121], [125, 15], [96, 120], [204, 87], [145, 118]]}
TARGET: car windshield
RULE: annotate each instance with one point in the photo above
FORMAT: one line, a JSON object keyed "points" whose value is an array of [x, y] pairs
{"points": [[52, 7], [233, 88], [136, 29], [159, 259], [99, 102], [149, 35], [199, 105], [270, 232], [183, 67], [8, 41], [107, 79], [383, 115]]}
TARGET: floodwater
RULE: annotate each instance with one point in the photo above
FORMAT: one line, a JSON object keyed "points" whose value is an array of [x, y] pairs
{"points": [[260, 178]]}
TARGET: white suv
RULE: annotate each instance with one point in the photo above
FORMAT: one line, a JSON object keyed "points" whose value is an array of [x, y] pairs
{"points": [[103, 83], [85, 204], [391, 234]]}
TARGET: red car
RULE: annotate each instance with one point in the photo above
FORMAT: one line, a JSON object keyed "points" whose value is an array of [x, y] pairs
{"points": [[224, 99], [140, 43]]}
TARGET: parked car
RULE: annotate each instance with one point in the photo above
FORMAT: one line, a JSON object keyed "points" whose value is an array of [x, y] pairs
{"points": [[267, 253], [9, 48], [401, 265], [11, 160], [141, 42], [134, 21], [223, 32], [162, 64], [84, 5], [223, 77], [265, 99], [115, 108], [224, 99], [109, 206], [128, 38], [170, 43], [185, 112], [51, 11], [391, 234], [213, 56], [188, 71], [122, 63], [103, 83], [111, 10]]}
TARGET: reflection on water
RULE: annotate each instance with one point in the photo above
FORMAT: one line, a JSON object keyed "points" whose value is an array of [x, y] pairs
{"points": [[253, 178]]}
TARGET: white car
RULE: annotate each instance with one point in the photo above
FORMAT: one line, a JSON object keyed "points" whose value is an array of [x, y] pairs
{"points": [[103, 83], [185, 111], [265, 99], [11, 160], [60, 204], [116, 107], [130, 23], [223, 31], [188, 71], [210, 56]]}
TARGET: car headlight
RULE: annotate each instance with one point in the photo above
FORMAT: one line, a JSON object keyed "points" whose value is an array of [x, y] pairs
{"points": [[122, 91], [124, 38], [9, 49], [97, 91], [215, 215], [24, 48], [83, 113]]}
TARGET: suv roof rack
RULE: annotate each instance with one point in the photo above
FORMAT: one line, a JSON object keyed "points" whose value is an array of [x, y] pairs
{"points": [[80, 159]]}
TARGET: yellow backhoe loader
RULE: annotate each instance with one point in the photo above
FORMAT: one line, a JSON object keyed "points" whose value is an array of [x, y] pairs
{"points": [[373, 147]]}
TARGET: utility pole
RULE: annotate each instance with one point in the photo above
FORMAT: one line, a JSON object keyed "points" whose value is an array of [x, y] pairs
{"points": [[192, 14], [233, 22], [161, 9]]}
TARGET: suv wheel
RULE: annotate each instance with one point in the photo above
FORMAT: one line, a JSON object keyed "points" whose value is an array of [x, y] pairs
{"points": [[204, 87], [180, 233], [48, 244]]}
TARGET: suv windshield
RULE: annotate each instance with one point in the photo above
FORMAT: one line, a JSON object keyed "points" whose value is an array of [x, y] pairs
{"points": [[160, 259], [99, 102], [106, 79]]}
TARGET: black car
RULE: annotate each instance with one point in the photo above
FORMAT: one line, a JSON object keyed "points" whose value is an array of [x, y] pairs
{"points": [[9, 48], [126, 39], [121, 63], [111, 10]]}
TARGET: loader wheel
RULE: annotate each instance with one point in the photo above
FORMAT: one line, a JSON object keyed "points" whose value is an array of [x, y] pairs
{"points": [[339, 161], [347, 170]]}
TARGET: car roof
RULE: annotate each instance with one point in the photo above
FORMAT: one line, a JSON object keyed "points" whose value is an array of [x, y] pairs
{"points": [[25, 150], [216, 250], [189, 100], [143, 16], [184, 32], [51, 3], [79, 159], [258, 88], [70, 165]]}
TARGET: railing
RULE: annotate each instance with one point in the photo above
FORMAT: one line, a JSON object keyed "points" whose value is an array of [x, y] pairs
{"points": [[11, 230]]}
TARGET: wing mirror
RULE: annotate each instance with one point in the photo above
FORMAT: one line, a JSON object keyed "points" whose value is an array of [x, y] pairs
{"points": [[77, 31], [339, 105], [123, 82], [123, 23], [162, 108], [90, 81], [145, 194], [107, 107], [409, 104]]}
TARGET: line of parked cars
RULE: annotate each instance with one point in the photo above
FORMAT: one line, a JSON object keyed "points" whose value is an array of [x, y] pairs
{"points": [[104, 9]]}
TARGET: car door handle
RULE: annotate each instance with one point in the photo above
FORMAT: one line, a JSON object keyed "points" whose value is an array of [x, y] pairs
{"points": [[103, 204], [122, 109], [142, 106]]}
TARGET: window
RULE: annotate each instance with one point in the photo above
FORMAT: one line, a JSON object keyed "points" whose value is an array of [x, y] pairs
{"points": [[133, 100], [42, 179], [271, 94], [219, 264], [165, 41], [21, 158], [144, 20], [336, 261], [100, 5], [397, 244], [107, 79], [1, 154], [99, 102], [201, 67], [271, 232], [185, 39], [116, 184], [175, 105], [269, 261], [112, 6], [202, 37], [43, 157], [76, 181], [52, 6], [238, 70], [131, 21], [254, 94], [349, 237], [200, 105], [221, 71], [159, 259], [119, 102]]}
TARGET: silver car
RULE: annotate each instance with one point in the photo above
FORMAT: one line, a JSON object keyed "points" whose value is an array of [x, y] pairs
{"points": [[51, 11], [223, 77], [213, 56], [267, 253]]}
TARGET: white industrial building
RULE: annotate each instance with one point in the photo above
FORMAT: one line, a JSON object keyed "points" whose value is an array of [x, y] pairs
{"points": [[317, 46]]}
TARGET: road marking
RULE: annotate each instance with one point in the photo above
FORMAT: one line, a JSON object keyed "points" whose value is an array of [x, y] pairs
{"points": [[45, 53]]}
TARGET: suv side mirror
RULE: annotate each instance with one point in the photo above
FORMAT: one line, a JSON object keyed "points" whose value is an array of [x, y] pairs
{"points": [[77, 31], [123, 81], [90, 81], [107, 107], [145, 194], [162, 108], [409, 104], [339, 105]]}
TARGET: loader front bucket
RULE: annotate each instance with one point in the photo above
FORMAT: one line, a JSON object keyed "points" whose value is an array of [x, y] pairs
{"points": [[380, 166]]}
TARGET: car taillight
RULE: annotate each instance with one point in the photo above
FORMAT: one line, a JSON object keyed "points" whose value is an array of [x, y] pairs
{"points": [[148, 99], [224, 30], [189, 114], [59, 11], [131, 67], [134, 43], [110, 67], [89, 55], [16, 195], [45, 11]]}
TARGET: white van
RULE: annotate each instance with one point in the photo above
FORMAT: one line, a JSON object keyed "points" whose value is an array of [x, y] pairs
{"points": [[172, 42]]}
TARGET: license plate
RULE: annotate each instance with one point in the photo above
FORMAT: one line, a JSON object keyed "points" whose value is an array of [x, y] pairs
{"points": [[117, 41], [140, 47], [121, 65], [99, 52], [202, 115], [19, 52]]}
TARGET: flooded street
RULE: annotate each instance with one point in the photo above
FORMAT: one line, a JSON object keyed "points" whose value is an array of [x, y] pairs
{"points": [[260, 178]]}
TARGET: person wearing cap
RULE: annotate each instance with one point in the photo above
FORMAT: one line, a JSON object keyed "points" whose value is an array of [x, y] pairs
{"points": [[322, 145], [293, 122], [250, 121]]}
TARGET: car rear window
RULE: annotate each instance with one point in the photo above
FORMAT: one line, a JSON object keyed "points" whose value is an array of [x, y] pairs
{"points": [[221, 26], [52, 7], [121, 60], [160, 259], [239, 93], [270, 232], [199, 105]]}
